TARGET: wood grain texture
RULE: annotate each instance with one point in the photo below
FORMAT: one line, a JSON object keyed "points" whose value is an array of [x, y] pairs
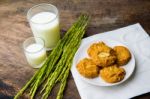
{"points": [[14, 29]]}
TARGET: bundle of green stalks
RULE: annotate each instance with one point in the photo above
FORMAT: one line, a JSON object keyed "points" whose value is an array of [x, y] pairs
{"points": [[56, 68]]}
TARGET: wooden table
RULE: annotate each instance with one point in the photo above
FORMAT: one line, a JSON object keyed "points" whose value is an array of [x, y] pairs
{"points": [[14, 29]]}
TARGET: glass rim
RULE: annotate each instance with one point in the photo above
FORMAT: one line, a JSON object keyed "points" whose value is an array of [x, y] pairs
{"points": [[30, 38], [38, 5]]}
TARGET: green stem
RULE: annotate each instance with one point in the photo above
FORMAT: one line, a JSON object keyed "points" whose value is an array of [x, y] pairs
{"points": [[51, 63], [49, 69]]}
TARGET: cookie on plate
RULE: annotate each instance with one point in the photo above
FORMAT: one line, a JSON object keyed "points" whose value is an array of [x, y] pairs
{"points": [[112, 74], [102, 54], [123, 55], [87, 68]]}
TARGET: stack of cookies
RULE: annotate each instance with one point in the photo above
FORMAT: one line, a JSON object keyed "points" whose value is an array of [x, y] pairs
{"points": [[105, 62]]}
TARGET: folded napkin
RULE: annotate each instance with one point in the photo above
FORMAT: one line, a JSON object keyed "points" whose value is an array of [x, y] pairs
{"points": [[138, 42]]}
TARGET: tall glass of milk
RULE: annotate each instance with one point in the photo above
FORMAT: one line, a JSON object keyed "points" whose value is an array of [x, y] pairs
{"points": [[44, 22], [35, 51]]}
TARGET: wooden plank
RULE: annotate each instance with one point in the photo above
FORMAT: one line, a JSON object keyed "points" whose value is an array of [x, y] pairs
{"points": [[106, 15]]}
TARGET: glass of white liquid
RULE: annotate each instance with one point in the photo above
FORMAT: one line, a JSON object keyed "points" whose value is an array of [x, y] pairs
{"points": [[34, 51], [44, 22]]}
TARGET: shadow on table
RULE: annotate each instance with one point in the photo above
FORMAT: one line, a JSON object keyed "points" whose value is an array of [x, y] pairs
{"points": [[3, 96], [144, 96], [4, 89]]}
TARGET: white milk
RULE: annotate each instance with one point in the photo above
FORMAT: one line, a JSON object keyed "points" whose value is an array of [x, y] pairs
{"points": [[46, 26], [36, 55]]}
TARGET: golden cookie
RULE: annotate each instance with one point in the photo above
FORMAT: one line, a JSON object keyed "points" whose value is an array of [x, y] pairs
{"points": [[101, 54], [87, 68], [123, 55], [112, 74]]}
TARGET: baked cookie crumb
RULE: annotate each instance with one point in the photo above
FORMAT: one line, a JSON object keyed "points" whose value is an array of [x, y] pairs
{"points": [[87, 68], [112, 74], [123, 55]]}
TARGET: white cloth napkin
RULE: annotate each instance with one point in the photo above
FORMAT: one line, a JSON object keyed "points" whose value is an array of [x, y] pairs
{"points": [[138, 42]]}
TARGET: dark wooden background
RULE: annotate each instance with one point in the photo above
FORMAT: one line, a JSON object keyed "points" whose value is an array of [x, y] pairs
{"points": [[14, 29]]}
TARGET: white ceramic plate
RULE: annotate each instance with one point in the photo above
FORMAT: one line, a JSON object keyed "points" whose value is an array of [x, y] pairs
{"points": [[82, 53]]}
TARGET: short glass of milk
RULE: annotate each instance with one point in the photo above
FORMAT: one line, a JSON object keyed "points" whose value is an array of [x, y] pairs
{"points": [[44, 22], [35, 51]]}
